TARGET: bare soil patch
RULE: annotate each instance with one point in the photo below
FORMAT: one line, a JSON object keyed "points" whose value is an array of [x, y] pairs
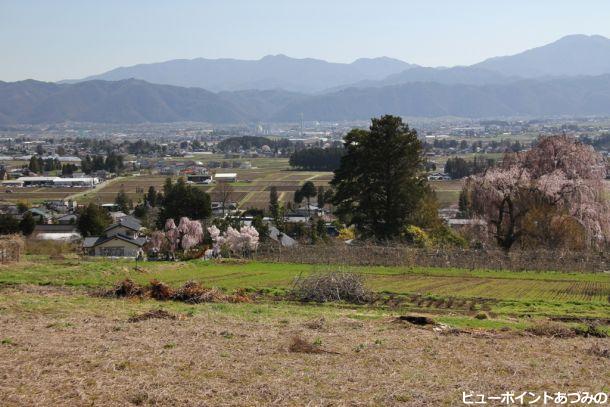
{"points": [[153, 314]]}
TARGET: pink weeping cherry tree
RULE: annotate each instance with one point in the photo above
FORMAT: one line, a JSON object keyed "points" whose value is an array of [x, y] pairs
{"points": [[187, 235], [558, 179]]}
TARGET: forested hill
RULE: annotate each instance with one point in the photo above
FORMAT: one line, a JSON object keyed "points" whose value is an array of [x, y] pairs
{"points": [[135, 101]]}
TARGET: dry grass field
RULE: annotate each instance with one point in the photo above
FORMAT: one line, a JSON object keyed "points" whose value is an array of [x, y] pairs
{"points": [[492, 331], [60, 346]]}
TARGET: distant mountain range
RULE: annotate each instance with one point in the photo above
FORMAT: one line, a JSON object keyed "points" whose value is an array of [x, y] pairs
{"points": [[568, 77], [573, 55], [135, 101], [128, 101], [570, 56], [573, 96], [271, 72]]}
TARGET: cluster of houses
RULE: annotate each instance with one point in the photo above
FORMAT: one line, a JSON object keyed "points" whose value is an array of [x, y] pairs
{"points": [[186, 168], [57, 220], [125, 237]]}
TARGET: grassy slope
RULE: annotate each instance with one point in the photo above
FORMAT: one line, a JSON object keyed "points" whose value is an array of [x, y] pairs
{"points": [[504, 292]]}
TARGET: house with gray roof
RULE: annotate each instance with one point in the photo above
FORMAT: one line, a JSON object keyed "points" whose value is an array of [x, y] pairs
{"points": [[121, 239]]}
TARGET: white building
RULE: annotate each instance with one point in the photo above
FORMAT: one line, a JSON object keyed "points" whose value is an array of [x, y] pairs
{"points": [[88, 182], [226, 177]]}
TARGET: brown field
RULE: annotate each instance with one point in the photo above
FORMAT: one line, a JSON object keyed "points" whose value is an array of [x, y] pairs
{"points": [[36, 195], [107, 192], [252, 190], [63, 347]]}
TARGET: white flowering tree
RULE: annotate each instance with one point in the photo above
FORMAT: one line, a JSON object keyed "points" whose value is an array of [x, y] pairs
{"points": [[240, 242]]}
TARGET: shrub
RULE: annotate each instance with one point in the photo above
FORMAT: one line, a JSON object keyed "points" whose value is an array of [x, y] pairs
{"points": [[347, 233], [416, 236], [335, 286], [445, 236]]}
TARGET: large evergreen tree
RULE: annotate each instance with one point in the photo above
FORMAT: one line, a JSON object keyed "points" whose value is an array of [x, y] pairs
{"points": [[34, 164], [8, 224], [379, 184], [92, 220], [123, 202], [180, 200], [308, 191], [152, 196], [274, 204], [27, 224]]}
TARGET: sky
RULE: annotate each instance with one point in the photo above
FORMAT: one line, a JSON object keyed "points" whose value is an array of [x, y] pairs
{"points": [[52, 40]]}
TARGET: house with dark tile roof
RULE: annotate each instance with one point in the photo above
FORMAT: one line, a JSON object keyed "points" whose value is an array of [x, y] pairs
{"points": [[121, 239]]}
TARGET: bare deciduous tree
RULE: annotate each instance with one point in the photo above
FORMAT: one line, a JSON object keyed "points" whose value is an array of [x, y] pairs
{"points": [[225, 194]]}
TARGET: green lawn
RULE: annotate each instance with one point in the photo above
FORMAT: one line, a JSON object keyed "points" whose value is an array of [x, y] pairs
{"points": [[438, 289]]}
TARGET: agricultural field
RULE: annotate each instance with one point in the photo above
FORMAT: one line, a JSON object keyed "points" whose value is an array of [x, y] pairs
{"points": [[252, 188], [447, 192], [134, 185], [63, 343], [35, 195]]}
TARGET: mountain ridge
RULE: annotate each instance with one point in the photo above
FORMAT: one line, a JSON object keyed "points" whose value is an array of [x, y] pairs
{"points": [[571, 55], [136, 101], [279, 71]]}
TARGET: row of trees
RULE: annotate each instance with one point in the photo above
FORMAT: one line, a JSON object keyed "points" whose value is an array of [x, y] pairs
{"points": [[317, 159], [112, 163], [457, 167], [601, 143], [549, 196], [38, 164], [234, 144], [9, 224], [177, 240], [178, 200]]}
